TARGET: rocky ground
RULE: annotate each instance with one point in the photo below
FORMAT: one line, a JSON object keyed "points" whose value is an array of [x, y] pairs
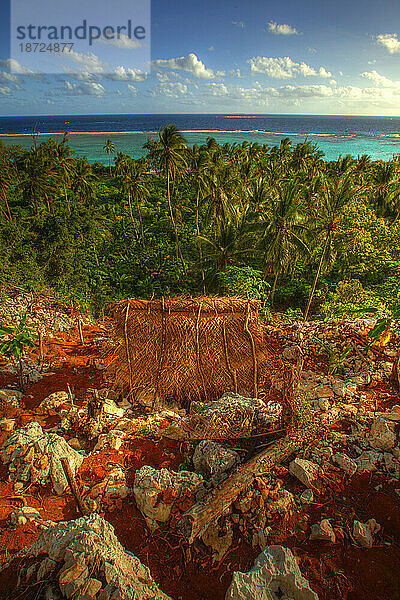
{"points": [[323, 524]]}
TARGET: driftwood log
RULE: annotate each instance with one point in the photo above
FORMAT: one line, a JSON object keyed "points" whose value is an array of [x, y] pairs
{"points": [[194, 522]]}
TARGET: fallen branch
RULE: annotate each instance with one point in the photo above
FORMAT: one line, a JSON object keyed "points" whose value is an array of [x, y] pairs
{"points": [[194, 522]]}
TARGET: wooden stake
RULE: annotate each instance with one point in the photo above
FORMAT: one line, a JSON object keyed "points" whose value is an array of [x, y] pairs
{"points": [[80, 331], [82, 508]]}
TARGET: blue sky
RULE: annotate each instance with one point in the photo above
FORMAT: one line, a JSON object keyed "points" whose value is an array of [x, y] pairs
{"points": [[308, 57]]}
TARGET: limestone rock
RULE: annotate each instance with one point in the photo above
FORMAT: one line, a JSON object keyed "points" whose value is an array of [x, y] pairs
{"points": [[86, 552], [281, 505], [347, 464], [231, 411], [363, 532], [304, 470], [381, 436], [323, 531], [156, 490], [34, 455], [368, 461], [219, 539], [307, 496], [344, 389], [274, 576], [211, 459], [55, 400], [25, 514]]}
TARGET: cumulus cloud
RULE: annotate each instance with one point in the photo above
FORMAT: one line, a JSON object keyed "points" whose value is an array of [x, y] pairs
{"points": [[122, 74], [133, 90], [380, 80], [283, 29], [172, 90], [285, 68], [5, 90], [239, 24], [123, 41], [87, 62], [390, 41], [217, 89], [16, 68], [189, 63], [235, 73], [83, 89]]}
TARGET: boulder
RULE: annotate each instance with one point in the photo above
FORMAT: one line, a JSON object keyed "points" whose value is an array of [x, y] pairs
{"points": [[304, 470], [34, 455], [156, 490], [232, 412], [274, 576], [213, 460], [81, 554]]}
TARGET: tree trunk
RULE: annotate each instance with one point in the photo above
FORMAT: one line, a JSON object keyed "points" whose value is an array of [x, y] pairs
{"points": [[317, 276], [177, 249], [6, 203], [140, 219], [132, 219], [273, 289], [194, 522], [199, 244]]}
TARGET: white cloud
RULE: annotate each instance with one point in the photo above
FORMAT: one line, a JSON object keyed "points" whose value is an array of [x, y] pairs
{"points": [[9, 77], [133, 90], [235, 73], [189, 63], [5, 90], [285, 68], [380, 80], [88, 62], [217, 89], [283, 29], [83, 89], [15, 67], [172, 90], [123, 41], [239, 24], [122, 74], [211, 49], [390, 41]]}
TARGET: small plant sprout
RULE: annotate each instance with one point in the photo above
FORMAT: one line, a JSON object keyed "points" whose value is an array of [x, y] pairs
{"points": [[19, 338]]}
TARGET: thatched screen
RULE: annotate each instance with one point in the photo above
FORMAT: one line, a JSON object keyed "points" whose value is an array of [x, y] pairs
{"points": [[189, 349]]}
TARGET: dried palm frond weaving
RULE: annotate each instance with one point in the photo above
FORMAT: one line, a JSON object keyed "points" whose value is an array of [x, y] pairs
{"points": [[189, 349]]}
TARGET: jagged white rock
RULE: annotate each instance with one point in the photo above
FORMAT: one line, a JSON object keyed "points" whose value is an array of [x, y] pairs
{"points": [[150, 483], [304, 470], [84, 548], [274, 576]]}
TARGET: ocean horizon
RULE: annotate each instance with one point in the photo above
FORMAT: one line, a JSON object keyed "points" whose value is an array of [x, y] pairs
{"points": [[378, 137]]}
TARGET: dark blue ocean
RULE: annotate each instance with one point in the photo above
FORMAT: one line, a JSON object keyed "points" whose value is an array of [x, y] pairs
{"points": [[379, 137]]}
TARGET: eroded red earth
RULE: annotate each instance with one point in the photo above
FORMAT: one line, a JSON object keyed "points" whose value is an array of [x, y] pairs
{"points": [[335, 571]]}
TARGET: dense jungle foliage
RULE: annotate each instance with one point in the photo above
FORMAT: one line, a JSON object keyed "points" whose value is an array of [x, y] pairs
{"points": [[280, 224]]}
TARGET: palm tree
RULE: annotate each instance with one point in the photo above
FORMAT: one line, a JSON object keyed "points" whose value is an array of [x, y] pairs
{"points": [[283, 229], [336, 193], [109, 147], [386, 189], [169, 153], [134, 183], [83, 180]]}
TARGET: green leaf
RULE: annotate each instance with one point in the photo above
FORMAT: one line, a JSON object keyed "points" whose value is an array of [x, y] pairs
{"points": [[379, 328]]}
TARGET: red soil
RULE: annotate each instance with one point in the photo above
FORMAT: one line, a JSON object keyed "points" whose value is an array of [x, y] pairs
{"points": [[338, 571]]}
